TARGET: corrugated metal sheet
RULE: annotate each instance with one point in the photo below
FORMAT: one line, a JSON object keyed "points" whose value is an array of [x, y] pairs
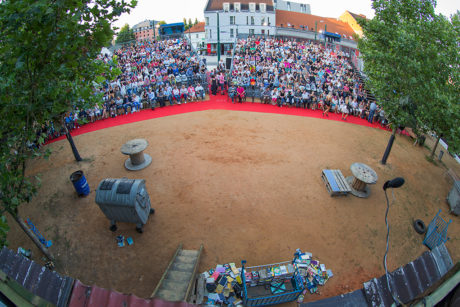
{"points": [[407, 283], [38, 280], [351, 299], [92, 296], [410, 280]]}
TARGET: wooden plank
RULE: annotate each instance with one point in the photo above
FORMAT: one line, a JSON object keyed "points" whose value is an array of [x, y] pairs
{"points": [[200, 287], [330, 179], [343, 184], [166, 271], [335, 182], [193, 273], [328, 188]]}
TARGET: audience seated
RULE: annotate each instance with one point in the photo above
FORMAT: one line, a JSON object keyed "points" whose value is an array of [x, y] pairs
{"points": [[151, 73], [301, 74], [280, 72]]}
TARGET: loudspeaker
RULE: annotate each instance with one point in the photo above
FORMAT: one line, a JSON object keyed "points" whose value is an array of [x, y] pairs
{"points": [[228, 62]]}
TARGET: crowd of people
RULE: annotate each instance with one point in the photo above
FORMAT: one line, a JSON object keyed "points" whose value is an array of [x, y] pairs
{"points": [[153, 74], [286, 73], [299, 74]]}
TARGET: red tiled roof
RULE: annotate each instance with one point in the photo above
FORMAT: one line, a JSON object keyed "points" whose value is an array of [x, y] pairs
{"points": [[92, 296], [199, 27], [295, 19]]}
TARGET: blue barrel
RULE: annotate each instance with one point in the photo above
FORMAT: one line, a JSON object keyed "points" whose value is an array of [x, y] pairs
{"points": [[80, 183]]}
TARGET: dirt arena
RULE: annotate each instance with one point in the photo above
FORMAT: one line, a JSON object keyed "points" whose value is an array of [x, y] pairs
{"points": [[246, 186]]}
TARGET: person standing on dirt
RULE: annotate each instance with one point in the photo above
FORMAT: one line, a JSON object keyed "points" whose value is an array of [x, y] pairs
{"points": [[213, 85], [327, 105]]}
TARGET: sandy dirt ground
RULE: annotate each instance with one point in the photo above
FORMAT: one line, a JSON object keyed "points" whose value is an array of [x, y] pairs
{"points": [[246, 186]]}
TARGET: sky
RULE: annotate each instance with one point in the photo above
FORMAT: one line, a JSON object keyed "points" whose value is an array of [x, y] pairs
{"points": [[175, 10]]}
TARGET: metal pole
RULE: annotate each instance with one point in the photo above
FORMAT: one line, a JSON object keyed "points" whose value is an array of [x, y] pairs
{"points": [[218, 40], [316, 28], [325, 30]]}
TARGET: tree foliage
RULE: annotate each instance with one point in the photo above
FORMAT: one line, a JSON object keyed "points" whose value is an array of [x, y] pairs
{"points": [[48, 65], [411, 58], [125, 35]]}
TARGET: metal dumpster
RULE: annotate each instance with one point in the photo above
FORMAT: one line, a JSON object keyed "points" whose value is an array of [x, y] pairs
{"points": [[124, 200]]}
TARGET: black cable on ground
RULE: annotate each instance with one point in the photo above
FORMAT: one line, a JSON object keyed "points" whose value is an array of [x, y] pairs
{"points": [[395, 299]]}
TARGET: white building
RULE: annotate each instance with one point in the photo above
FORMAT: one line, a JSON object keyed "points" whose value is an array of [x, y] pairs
{"points": [[280, 18], [237, 18], [292, 6], [196, 35]]}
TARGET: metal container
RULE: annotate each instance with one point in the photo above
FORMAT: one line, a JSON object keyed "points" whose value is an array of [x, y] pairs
{"points": [[124, 200], [79, 182], [454, 198]]}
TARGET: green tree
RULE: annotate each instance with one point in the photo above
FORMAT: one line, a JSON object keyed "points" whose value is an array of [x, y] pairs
{"points": [[162, 22], [185, 23], [442, 114], [125, 35], [48, 66], [407, 61], [190, 24], [196, 21]]}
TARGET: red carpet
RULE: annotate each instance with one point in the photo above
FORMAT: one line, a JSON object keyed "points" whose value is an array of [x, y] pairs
{"points": [[215, 103]]}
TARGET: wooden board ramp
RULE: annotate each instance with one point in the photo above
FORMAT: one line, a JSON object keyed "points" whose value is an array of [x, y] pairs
{"points": [[176, 283], [198, 290], [335, 182]]}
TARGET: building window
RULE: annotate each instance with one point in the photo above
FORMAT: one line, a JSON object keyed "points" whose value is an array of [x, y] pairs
{"points": [[262, 21], [247, 20], [197, 36], [231, 32], [262, 32], [232, 20], [268, 21], [252, 20], [207, 21], [263, 7], [251, 31], [252, 7], [268, 32], [210, 33], [237, 6], [289, 6], [226, 6]]}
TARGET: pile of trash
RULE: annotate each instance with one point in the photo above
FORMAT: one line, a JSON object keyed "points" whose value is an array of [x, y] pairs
{"points": [[224, 283]]}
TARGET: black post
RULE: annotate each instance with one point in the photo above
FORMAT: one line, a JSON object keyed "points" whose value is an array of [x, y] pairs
{"points": [[388, 149], [72, 144], [218, 40]]}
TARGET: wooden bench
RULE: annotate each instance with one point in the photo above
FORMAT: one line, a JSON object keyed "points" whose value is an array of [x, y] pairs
{"points": [[335, 182]]}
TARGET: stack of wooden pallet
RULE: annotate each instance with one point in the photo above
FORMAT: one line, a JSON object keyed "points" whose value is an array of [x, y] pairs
{"points": [[335, 182]]}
